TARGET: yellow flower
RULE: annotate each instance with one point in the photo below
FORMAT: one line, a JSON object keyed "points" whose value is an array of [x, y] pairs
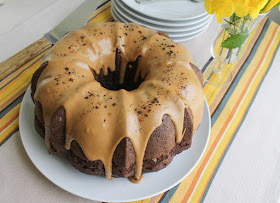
{"points": [[208, 6], [270, 5], [225, 8], [222, 8], [251, 7]]}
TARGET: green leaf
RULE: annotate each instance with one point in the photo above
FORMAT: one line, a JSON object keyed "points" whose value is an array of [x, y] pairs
{"points": [[264, 6], [234, 41]]}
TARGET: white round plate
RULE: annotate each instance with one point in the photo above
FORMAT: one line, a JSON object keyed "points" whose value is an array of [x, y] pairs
{"points": [[175, 36], [125, 18], [185, 38], [126, 10], [191, 32], [63, 174], [168, 10]]}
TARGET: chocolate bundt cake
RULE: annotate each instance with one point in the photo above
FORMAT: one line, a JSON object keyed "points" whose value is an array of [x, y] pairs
{"points": [[117, 99]]}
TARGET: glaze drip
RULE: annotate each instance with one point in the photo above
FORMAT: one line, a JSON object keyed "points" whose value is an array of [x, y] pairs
{"points": [[98, 118]]}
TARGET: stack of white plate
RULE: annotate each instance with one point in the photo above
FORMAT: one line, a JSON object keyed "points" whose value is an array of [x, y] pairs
{"points": [[182, 20]]}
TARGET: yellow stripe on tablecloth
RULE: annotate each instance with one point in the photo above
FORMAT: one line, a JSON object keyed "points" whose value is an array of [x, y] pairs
{"points": [[8, 92], [8, 118], [103, 14], [9, 130], [144, 200], [262, 66], [9, 123], [18, 71], [192, 179]]}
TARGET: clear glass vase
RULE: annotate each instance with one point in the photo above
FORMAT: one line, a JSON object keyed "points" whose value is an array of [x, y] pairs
{"points": [[228, 46]]}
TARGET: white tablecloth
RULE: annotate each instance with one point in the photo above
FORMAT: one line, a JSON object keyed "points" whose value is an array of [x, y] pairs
{"points": [[250, 171]]}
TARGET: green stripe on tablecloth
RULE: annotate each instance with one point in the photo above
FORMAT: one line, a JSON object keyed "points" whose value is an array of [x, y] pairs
{"points": [[8, 137], [168, 195], [11, 105]]}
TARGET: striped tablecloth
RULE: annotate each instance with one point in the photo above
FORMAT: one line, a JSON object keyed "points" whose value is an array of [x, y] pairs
{"points": [[228, 104]]}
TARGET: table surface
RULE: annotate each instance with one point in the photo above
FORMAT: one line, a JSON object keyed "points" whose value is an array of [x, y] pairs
{"points": [[249, 171]]}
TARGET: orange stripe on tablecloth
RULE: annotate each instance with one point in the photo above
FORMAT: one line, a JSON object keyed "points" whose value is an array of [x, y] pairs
{"points": [[17, 75], [9, 122], [189, 192], [10, 100], [11, 130], [20, 72], [12, 92]]}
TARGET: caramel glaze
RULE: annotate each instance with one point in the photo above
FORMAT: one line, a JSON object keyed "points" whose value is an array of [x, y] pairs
{"points": [[98, 118], [135, 180]]}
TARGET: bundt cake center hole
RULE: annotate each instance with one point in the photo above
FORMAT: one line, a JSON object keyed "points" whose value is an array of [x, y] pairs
{"points": [[111, 81]]}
